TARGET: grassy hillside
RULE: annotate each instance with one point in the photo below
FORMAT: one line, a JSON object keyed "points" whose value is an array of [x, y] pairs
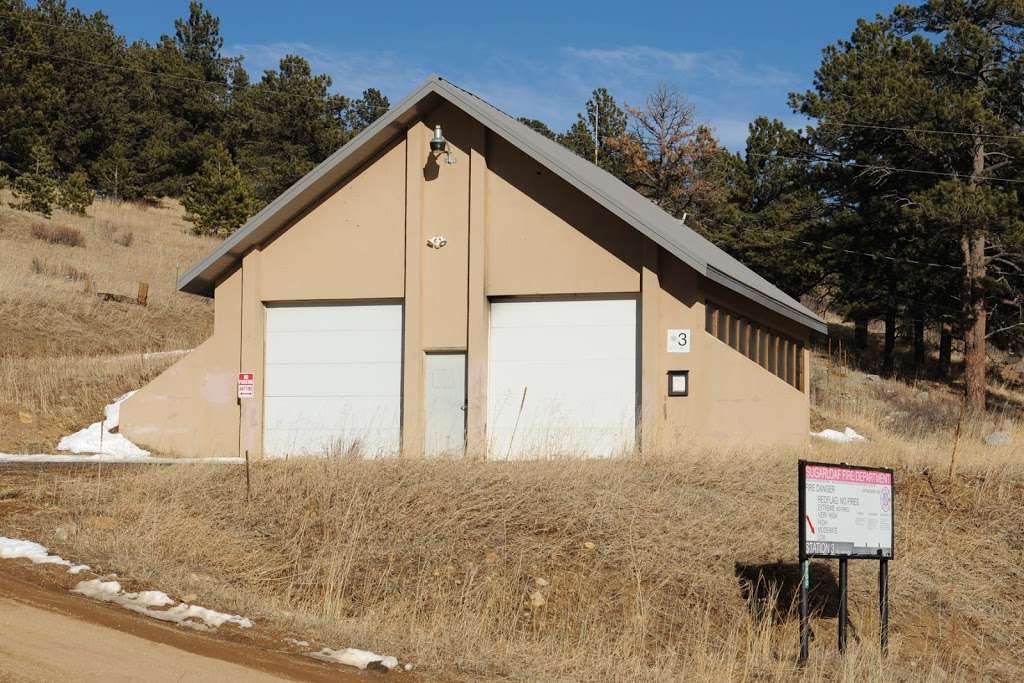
{"points": [[64, 353], [676, 567]]}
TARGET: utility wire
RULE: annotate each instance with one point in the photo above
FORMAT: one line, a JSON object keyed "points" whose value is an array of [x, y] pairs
{"points": [[930, 131], [888, 169]]}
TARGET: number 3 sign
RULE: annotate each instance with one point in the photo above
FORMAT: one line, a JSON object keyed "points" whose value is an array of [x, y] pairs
{"points": [[679, 341]]}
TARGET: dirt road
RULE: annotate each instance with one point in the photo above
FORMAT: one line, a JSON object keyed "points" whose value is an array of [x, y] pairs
{"points": [[39, 645], [49, 634]]}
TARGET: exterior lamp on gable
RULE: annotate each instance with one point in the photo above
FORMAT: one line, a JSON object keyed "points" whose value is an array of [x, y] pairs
{"points": [[438, 144]]}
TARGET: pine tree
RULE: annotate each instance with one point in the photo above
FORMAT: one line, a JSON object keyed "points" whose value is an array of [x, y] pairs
{"points": [[589, 136], [539, 126], [942, 65], [218, 200], [36, 190], [74, 195], [771, 209], [367, 109]]}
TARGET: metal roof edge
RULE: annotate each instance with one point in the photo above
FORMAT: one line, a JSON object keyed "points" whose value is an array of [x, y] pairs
{"points": [[199, 279], [804, 317], [190, 280], [468, 101]]}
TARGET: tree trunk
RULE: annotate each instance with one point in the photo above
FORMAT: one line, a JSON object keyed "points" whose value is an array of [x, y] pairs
{"points": [[945, 351], [919, 350], [975, 345], [860, 334], [972, 245], [888, 352]]}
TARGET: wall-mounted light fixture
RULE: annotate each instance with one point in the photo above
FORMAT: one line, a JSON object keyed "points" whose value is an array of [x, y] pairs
{"points": [[438, 144], [437, 241]]}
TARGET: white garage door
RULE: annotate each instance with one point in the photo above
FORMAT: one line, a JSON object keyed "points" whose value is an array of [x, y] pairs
{"points": [[562, 378], [333, 379]]}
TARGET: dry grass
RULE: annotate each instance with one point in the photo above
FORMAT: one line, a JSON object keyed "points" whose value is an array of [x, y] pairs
{"points": [[643, 567], [637, 563], [42, 399], [50, 318], [58, 234]]}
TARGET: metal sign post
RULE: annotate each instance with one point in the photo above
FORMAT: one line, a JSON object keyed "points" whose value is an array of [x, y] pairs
{"points": [[845, 512]]}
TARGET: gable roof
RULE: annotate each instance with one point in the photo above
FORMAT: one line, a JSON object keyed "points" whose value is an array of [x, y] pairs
{"points": [[596, 183]]}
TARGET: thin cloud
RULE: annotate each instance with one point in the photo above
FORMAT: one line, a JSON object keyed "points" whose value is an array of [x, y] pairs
{"points": [[727, 90]]}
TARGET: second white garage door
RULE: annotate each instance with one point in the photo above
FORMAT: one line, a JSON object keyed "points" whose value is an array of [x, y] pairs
{"points": [[333, 379], [562, 378]]}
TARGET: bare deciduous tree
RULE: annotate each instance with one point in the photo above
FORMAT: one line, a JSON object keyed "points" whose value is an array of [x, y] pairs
{"points": [[668, 155]]}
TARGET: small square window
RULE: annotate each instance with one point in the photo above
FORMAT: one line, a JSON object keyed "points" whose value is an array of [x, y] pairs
{"points": [[678, 382]]}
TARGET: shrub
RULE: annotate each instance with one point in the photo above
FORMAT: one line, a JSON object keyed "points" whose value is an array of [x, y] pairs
{"points": [[68, 272], [125, 239], [36, 192], [74, 194], [58, 234]]}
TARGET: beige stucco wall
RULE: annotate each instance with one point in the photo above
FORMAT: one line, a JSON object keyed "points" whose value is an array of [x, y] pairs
{"points": [[732, 399], [512, 229], [191, 409]]}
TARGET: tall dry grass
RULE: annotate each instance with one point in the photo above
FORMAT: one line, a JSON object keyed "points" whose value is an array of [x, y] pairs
{"points": [[677, 569], [42, 399], [43, 316]]}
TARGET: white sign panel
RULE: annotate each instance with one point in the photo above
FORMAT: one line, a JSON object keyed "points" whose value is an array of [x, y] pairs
{"points": [[678, 341], [246, 385], [846, 511]]}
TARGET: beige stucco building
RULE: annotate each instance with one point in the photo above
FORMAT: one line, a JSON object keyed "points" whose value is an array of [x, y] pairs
{"points": [[492, 294]]}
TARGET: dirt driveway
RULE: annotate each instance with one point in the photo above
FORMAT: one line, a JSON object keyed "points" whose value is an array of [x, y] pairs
{"points": [[50, 634]]}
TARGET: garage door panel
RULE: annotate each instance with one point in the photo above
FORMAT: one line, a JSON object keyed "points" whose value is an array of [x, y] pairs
{"points": [[333, 441], [358, 317], [348, 412], [524, 343], [576, 361], [323, 346], [569, 312], [333, 379]]}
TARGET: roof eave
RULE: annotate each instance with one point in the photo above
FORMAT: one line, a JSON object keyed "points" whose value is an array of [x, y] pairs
{"points": [[803, 317]]}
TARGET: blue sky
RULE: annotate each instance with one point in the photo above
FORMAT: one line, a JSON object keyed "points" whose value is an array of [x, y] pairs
{"points": [[734, 60]]}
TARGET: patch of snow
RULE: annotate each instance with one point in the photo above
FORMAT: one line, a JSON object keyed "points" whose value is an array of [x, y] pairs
{"points": [[144, 603], [16, 548], [350, 656], [297, 643], [115, 459], [99, 437], [846, 436]]}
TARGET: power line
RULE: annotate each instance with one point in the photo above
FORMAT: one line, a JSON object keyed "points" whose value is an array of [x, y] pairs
{"points": [[930, 131], [888, 169]]}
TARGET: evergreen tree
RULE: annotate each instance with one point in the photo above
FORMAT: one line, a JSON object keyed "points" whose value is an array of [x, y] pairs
{"points": [[772, 210], [290, 134], [602, 121], [218, 200], [74, 195], [538, 126], [367, 109], [36, 190], [943, 65]]}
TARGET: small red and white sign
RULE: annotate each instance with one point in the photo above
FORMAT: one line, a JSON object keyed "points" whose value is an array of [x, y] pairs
{"points": [[246, 385]]}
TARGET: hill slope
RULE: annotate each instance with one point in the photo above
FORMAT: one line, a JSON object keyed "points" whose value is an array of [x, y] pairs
{"points": [[64, 353]]}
